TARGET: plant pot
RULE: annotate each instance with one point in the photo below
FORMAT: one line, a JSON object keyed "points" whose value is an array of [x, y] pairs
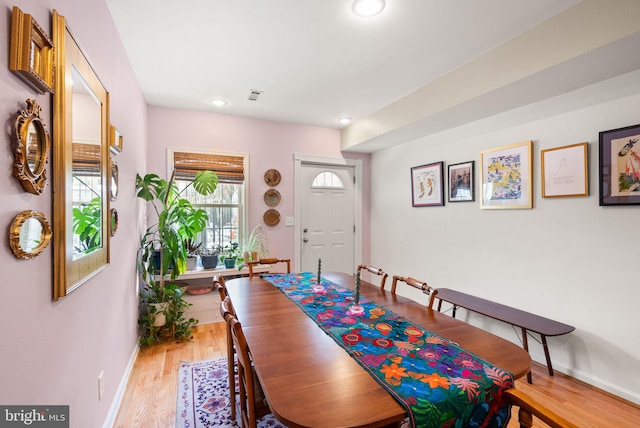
{"points": [[229, 263], [209, 262], [161, 319], [192, 263]]}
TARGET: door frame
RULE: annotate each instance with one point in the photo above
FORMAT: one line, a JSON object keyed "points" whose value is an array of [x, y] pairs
{"points": [[299, 160]]}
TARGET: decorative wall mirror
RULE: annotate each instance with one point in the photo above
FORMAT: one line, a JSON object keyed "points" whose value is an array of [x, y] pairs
{"points": [[113, 183], [80, 166], [115, 140], [29, 234], [31, 148], [114, 221], [31, 52]]}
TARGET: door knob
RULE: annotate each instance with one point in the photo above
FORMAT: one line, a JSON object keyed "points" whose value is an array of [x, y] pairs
{"points": [[305, 240], [304, 230]]}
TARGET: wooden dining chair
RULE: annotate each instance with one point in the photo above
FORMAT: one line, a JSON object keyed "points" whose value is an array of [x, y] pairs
{"points": [[268, 261], [420, 285], [227, 312], [251, 398], [218, 284], [529, 407], [375, 271]]}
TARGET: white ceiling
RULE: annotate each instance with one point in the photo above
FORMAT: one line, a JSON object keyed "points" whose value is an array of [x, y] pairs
{"points": [[313, 59]]}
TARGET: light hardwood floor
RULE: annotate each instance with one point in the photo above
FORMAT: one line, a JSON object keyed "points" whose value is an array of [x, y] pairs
{"points": [[150, 397]]}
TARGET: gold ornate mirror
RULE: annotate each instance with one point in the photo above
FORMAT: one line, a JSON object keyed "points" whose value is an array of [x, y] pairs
{"points": [[31, 148], [80, 166], [29, 234], [113, 183], [114, 221]]}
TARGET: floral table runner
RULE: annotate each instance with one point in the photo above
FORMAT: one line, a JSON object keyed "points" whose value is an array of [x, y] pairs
{"points": [[438, 382]]}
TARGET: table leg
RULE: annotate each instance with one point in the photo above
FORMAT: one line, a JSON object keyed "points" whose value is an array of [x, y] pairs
{"points": [[453, 314], [439, 305], [525, 345], [546, 354]]}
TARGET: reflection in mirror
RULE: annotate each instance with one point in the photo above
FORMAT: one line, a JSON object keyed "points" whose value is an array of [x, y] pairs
{"points": [[80, 162], [86, 171], [29, 234], [31, 148]]}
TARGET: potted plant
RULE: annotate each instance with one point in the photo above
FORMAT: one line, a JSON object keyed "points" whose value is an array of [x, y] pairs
{"points": [[253, 246], [230, 254], [193, 253], [209, 257], [163, 251]]}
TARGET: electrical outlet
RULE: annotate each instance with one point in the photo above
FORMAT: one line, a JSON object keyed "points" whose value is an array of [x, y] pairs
{"points": [[100, 385]]}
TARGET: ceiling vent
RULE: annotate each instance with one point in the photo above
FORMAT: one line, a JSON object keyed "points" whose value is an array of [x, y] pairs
{"points": [[254, 95]]}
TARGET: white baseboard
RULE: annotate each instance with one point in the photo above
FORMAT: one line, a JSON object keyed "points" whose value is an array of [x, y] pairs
{"points": [[117, 400]]}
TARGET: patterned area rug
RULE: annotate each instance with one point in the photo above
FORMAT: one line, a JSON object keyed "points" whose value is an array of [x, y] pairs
{"points": [[203, 396]]}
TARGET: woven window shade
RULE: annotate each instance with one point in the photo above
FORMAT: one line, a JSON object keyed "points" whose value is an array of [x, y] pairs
{"points": [[230, 169], [86, 159]]}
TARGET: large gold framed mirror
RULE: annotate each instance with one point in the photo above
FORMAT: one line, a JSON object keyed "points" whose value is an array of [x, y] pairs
{"points": [[31, 149], [29, 234], [80, 166]]}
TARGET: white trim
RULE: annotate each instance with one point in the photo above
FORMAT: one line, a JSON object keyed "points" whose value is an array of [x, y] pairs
{"points": [[300, 159], [110, 421], [244, 208]]}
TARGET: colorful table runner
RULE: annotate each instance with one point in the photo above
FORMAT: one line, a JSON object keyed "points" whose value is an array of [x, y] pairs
{"points": [[438, 382]]}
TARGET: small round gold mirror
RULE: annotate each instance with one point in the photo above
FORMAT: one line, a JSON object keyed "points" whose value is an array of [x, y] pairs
{"points": [[32, 146], [29, 234]]}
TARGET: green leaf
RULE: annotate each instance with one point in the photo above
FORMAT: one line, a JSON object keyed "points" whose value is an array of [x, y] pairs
{"points": [[205, 182]]}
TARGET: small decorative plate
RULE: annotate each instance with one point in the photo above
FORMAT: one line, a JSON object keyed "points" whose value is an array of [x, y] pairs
{"points": [[272, 177], [272, 197], [271, 217]]}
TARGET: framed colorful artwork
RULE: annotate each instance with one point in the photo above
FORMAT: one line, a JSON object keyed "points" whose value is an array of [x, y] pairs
{"points": [[507, 177], [461, 183], [619, 167], [427, 185], [564, 171]]}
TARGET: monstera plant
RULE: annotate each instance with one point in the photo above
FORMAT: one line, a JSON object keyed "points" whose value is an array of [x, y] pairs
{"points": [[163, 248]]}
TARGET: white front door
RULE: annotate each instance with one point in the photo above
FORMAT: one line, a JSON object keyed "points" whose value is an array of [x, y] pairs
{"points": [[327, 223]]}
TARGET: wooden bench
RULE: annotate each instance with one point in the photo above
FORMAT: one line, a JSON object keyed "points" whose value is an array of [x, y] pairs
{"points": [[516, 317]]}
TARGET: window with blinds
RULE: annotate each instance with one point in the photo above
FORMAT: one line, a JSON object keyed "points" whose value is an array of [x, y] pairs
{"points": [[225, 207]]}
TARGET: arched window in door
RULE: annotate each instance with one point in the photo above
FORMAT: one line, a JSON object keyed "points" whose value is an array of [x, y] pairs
{"points": [[327, 179]]}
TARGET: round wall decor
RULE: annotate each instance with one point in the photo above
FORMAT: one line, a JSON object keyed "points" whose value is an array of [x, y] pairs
{"points": [[271, 217], [272, 197], [272, 177]]}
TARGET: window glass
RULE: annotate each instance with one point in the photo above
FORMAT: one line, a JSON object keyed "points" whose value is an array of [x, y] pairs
{"points": [[224, 209], [327, 179]]}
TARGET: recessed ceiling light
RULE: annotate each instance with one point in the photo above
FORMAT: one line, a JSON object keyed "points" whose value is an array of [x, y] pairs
{"points": [[367, 8], [345, 120], [218, 102]]}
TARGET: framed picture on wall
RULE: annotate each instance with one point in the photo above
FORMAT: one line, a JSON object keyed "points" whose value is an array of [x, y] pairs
{"points": [[507, 177], [564, 171], [427, 186], [619, 166], [461, 183]]}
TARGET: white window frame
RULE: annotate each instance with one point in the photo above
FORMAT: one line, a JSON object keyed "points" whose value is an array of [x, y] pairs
{"points": [[243, 221]]}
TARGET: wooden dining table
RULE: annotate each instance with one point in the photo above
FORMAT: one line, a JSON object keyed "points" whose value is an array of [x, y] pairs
{"points": [[310, 381]]}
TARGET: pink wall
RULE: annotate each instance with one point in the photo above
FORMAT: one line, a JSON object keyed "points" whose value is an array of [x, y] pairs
{"points": [[52, 352], [269, 144]]}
